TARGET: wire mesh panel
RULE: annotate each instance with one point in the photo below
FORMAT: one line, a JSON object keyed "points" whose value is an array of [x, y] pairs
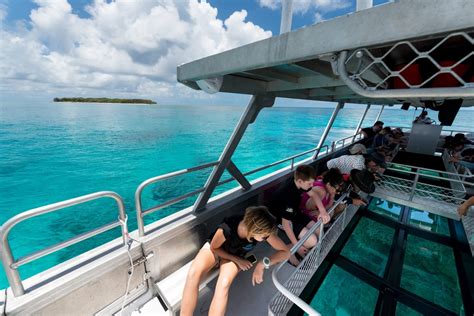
{"points": [[298, 280], [442, 62]]}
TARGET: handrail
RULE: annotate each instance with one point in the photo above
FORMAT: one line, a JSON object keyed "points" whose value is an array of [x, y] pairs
{"points": [[11, 265], [343, 140], [139, 190], [138, 204], [292, 297], [427, 169]]}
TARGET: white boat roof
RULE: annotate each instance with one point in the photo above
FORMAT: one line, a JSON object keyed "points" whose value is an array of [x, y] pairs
{"points": [[297, 64]]}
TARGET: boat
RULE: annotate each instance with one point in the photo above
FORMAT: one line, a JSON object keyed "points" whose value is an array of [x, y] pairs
{"points": [[408, 53]]}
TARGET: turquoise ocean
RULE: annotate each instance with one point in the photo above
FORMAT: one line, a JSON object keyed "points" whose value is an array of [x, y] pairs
{"points": [[51, 152]]}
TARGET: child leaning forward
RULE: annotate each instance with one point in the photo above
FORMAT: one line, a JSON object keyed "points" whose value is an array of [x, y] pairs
{"points": [[232, 240]]}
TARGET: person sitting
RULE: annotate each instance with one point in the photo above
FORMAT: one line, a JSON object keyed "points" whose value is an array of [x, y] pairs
{"points": [[316, 202], [359, 180], [383, 138], [346, 163], [423, 118], [286, 203], [369, 132], [465, 158], [227, 249]]}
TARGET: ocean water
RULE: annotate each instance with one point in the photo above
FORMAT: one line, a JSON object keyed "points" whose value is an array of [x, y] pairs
{"points": [[51, 152]]}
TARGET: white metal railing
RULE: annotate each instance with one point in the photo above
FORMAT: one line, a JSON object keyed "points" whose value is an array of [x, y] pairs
{"points": [[11, 265], [290, 289], [437, 199], [336, 145]]}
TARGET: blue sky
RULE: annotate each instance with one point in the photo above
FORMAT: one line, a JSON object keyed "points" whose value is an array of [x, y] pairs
{"points": [[130, 48]]}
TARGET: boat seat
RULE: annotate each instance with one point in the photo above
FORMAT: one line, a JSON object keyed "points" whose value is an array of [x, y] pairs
{"points": [[171, 287]]}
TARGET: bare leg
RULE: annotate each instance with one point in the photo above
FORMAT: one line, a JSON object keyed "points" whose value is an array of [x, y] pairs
{"points": [[203, 263], [463, 208], [227, 274], [311, 241]]}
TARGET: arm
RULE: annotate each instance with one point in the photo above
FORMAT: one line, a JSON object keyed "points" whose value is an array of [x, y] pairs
{"points": [[282, 253], [216, 247], [315, 195]]}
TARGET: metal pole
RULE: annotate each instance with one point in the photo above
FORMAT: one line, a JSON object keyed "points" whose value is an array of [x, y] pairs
{"points": [[286, 16], [363, 4], [339, 106], [380, 113], [253, 108], [361, 121]]}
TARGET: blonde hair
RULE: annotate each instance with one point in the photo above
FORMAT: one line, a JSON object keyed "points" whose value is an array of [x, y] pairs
{"points": [[259, 221]]}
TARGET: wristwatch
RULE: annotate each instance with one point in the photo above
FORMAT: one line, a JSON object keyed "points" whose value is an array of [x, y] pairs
{"points": [[266, 262]]}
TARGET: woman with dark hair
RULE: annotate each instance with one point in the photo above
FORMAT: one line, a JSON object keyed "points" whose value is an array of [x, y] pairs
{"points": [[228, 247], [316, 202]]}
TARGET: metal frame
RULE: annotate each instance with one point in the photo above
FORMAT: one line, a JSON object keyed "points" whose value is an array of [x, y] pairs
{"points": [[11, 265], [359, 85], [257, 103], [325, 134], [359, 125], [380, 113]]}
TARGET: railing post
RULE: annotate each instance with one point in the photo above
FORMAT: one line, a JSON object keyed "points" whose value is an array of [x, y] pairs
{"points": [[255, 105], [12, 274], [339, 106], [413, 188], [286, 16], [361, 121]]}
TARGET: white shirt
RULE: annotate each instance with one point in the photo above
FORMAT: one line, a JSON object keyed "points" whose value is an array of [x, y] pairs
{"points": [[346, 163]]}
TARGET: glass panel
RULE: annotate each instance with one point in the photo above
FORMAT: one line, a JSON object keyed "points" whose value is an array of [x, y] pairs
{"points": [[429, 271], [343, 294], [403, 310], [428, 221], [369, 245], [385, 208]]}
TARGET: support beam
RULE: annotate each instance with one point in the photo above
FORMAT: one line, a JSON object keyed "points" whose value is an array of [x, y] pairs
{"points": [[339, 106], [361, 120], [380, 113], [235, 172], [257, 103]]}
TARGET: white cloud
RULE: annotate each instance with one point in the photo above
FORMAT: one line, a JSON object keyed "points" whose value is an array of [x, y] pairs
{"points": [[124, 47], [303, 6]]}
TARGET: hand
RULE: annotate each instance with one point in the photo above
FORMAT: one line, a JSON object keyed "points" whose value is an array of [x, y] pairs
{"points": [[358, 202], [243, 264], [257, 276], [324, 217]]}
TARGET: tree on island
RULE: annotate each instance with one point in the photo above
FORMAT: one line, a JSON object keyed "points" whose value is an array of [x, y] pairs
{"points": [[104, 100]]}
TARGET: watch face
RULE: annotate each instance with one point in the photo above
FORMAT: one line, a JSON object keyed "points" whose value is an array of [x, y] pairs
{"points": [[266, 262]]}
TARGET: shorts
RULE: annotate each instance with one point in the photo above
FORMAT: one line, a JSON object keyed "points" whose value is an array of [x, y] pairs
{"points": [[207, 245]]}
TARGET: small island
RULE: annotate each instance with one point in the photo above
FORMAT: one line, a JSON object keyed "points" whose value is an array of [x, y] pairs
{"points": [[104, 100]]}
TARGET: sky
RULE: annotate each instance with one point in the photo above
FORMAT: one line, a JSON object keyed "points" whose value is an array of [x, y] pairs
{"points": [[130, 48]]}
